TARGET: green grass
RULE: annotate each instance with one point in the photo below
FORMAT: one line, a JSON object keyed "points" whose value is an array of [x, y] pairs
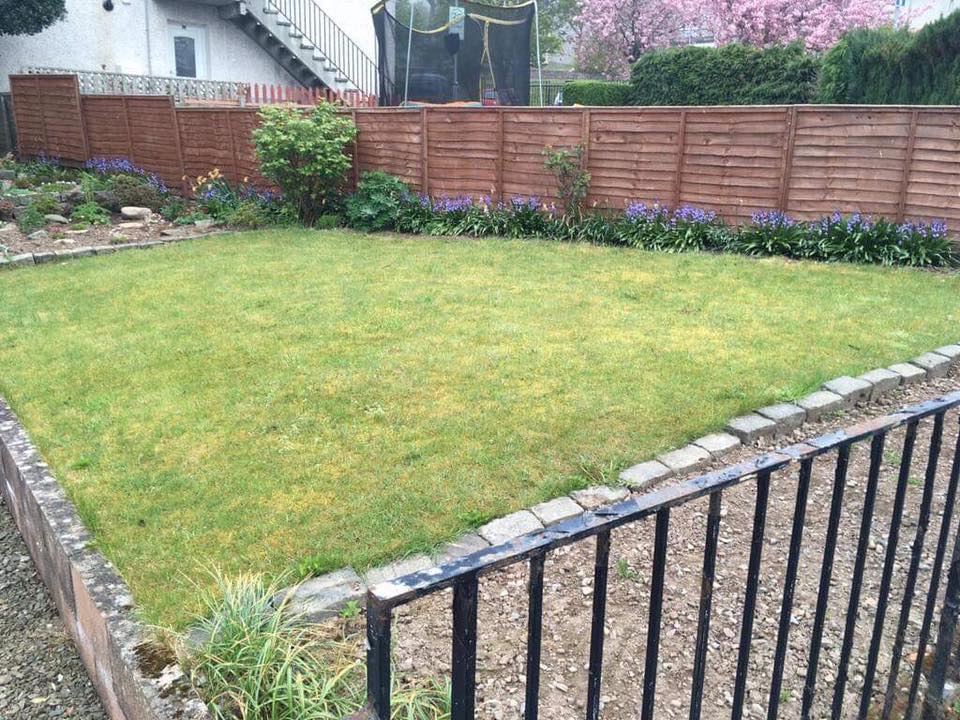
{"points": [[290, 399]]}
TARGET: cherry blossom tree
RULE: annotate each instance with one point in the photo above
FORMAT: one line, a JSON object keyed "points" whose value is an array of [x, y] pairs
{"points": [[818, 24], [613, 33]]}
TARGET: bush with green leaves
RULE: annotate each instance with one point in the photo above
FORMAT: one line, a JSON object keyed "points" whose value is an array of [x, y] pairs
{"points": [[132, 190], [30, 220], [305, 153], [376, 203], [91, 214], [885, 66], [46, 205], [728, 75], [573, 180], [596, 92]]}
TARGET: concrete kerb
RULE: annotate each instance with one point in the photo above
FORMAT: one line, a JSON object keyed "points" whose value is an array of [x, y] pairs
{"points": [[770, 422]]}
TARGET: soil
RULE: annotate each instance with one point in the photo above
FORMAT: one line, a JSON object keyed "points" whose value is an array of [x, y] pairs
{"points": [[422, 632], [61, 237]]}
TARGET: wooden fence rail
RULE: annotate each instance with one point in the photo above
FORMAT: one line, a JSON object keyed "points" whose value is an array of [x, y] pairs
{"points": [[807, 160]]}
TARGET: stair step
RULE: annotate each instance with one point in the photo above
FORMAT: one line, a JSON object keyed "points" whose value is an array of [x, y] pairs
{"points": [[270, 10], [296, 34], [283, 22], [306, 45], [319, 56]]}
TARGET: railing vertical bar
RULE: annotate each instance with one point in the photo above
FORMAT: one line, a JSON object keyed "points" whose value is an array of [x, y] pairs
{"points": [[826, 571], [464, 662], [934, 588], [893, 538], [655, 617], [866, 520], [923, 521], [595, 671], [789, 586], [378, 658], [946, 637], [750, 598], [706, 601], [534, 633]]}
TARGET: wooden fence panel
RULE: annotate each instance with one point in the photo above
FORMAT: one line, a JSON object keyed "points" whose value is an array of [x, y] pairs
{"points": [[242, 123], [633, 156], [105, 118], [526, 133], [391, 141], [155, 139], [47, 108], [848, 160], [733, 159], [933, 177], [462, 153], [206, 140]]}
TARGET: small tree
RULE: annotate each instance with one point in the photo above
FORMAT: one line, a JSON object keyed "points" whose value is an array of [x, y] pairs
{"points": [[305, 154], [29, 18], [573, 181]]}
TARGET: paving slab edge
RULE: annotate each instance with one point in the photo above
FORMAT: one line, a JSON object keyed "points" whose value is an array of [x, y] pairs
{"points": [[96, 605], [323, 597]]}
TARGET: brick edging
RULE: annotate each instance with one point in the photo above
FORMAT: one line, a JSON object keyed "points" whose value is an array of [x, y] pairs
{"points": [[320, 598], [94, 602]]}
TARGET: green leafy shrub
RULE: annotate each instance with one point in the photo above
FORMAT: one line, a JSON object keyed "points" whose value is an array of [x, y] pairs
{"points": [[173, 208], [247, 214], [769, 233], [376, 203], [90, 213], [596, 92], [132, 190], [239, 204], [46, 205], [884, 66], [573, 181], [30, 220], [728, 75], [305, 154], [329, 221]]}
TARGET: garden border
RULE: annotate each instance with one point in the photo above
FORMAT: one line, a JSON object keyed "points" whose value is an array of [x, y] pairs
{"points": [[323, 597], [39, 258]]}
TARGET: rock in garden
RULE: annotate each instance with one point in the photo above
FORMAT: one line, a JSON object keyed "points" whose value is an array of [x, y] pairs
{"points": [[205, 223], [131, 212], [130, 225], [38, 235], [54, 218]]}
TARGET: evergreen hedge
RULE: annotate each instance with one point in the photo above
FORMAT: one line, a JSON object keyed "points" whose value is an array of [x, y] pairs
{"points": [[896, 67], [729, 75], [596, 92]]}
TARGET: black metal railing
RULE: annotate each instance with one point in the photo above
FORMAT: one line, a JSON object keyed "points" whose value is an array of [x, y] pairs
{"points": [[341, 54], [463, 575]]}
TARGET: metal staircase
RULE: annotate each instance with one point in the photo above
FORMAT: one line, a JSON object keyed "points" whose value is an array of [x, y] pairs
{"points": [[306, 42]]}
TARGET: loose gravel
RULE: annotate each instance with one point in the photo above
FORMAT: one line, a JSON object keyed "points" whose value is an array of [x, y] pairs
{"points": [[41, 675], [422, 633]]}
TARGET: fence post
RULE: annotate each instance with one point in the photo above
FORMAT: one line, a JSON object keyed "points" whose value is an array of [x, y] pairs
{"points": [[500, 153], [907, 162], [946, 633], [378, 659], [681, 151], [356, 151], [585, 120], [790, 132], [424, 152]]}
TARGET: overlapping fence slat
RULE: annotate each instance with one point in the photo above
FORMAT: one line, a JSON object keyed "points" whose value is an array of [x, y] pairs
{"points": [[900, 162]]}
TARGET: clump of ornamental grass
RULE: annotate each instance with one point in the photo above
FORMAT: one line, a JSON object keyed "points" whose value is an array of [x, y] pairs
{"points": [[259, 661]]}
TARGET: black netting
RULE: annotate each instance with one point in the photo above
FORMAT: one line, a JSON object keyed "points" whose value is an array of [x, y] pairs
{"points": [[491, 64]]}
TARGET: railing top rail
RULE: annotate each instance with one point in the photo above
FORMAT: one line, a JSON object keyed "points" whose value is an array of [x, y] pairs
{"points": [[404, 589]]}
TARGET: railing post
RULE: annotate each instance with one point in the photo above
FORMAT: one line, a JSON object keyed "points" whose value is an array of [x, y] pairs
{"points": [[378, 658], [933, 701]]}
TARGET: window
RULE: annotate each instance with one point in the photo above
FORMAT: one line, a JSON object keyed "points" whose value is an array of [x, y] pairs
{"points": [[185, 56]]}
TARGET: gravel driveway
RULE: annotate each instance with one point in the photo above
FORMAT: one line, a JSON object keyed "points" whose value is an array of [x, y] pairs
{"points": [[41, 675]]}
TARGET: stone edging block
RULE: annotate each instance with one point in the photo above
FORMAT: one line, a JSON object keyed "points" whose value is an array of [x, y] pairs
{"points": [[820, 403], [750, 428], [853, 390]]}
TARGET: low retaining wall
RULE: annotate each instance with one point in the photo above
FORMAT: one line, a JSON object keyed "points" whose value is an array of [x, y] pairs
{"points": [[95, 604]]}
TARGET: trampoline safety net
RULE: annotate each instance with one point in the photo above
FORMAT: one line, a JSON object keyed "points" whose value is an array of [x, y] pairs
{"points": [[476, 52]]}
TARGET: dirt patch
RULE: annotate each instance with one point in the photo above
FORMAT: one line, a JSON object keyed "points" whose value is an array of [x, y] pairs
{"points": [[423, 629]]}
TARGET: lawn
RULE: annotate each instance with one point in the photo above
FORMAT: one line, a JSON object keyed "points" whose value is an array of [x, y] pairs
{"points": [[295, 399]]}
